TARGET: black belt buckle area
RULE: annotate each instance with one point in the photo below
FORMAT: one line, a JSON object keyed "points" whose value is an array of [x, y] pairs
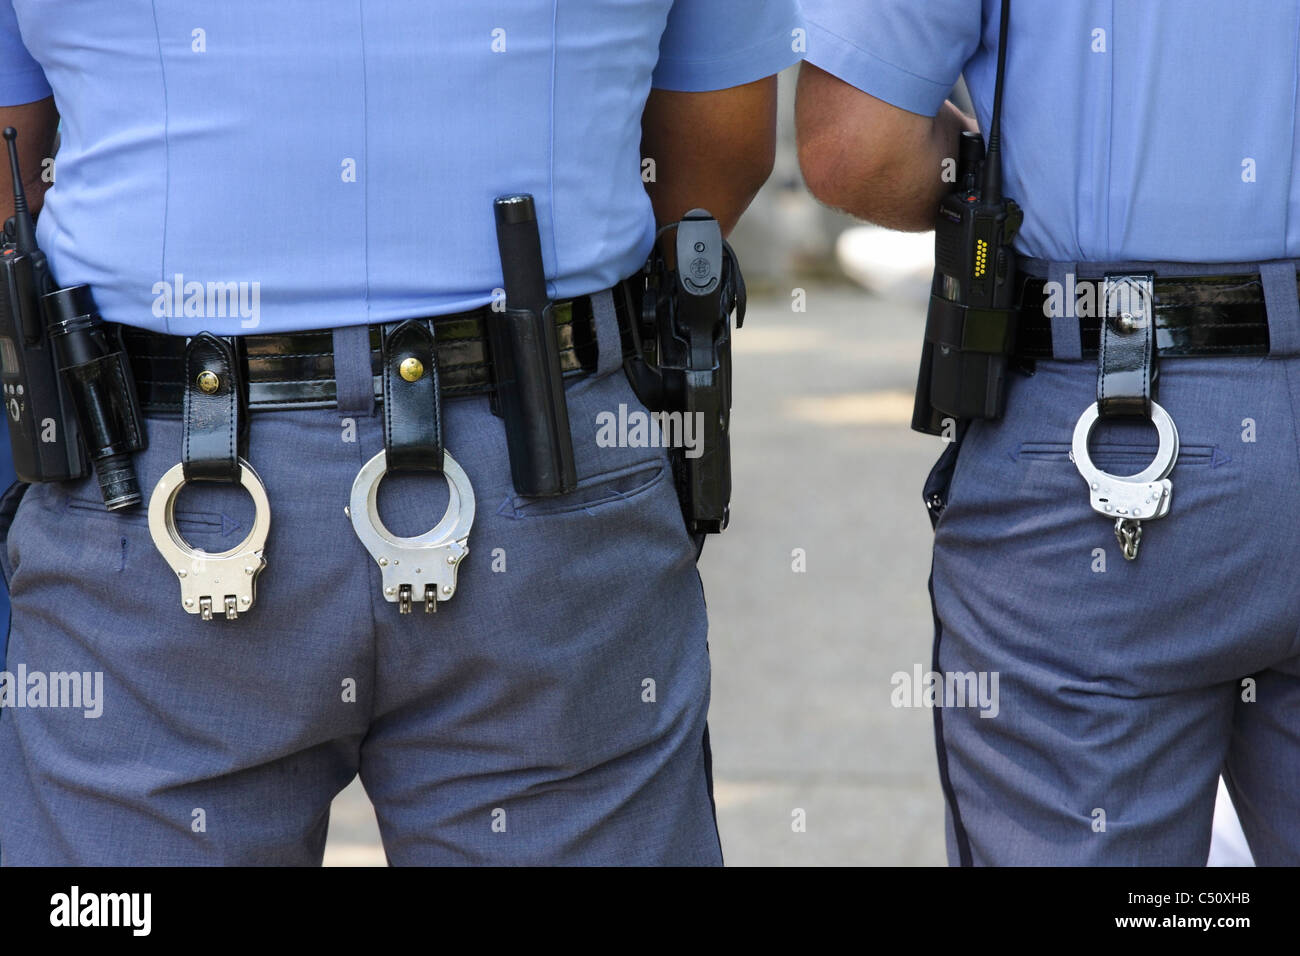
{"points": [[296, 369], [1193, 316]]}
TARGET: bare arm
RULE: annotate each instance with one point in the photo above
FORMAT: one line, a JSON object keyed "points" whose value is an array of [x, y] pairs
{"points": [[869, 158], [710, 150], [36, 124]]}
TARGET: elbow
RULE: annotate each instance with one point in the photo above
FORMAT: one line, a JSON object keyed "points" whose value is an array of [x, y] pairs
{"points": [[830, 168], [835, 180], [872, 186], [862, 155], [820, 137], [820, 172]]}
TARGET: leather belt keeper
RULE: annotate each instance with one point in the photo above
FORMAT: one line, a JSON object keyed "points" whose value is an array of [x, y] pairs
{"points": [[412, 397], [1126, 361], [215, 409]]}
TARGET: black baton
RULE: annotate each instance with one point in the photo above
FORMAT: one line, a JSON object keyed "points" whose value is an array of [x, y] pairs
{"points": [[526, 359]]}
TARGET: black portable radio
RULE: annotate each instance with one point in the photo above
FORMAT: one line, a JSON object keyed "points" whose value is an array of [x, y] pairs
{"points": [[970, 327], [42, 430]]}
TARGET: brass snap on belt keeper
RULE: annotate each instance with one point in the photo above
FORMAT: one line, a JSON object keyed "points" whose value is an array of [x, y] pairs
{"points": [[412, 369]]}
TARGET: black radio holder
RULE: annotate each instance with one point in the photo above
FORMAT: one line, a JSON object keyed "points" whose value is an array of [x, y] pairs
{"points": [[971, 324], [68, 389]]}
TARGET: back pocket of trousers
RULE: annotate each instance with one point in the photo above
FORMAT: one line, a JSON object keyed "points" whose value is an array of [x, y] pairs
{"points": [[595, 491], [1121, 459]]}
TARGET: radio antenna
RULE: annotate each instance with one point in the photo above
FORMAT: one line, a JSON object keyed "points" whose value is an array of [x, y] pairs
{"points": [[992, 189], [25, 228]]}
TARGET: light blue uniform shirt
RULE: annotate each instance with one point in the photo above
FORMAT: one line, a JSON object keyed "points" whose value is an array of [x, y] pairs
{"points": [[335, 161], [1151, 130]]}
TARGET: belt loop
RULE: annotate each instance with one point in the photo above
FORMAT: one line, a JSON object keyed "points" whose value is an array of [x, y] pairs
{"points": [[353, 377], [608, 341], [1067, 341], [1282, 303]]}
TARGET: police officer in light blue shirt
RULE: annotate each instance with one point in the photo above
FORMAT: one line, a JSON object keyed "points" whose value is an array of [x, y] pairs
{"points": [[297, 181], [1151, 147]]}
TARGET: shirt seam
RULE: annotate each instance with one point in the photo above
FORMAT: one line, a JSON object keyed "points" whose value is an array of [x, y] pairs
{"points": [[365, 157], [167, 159], [550, 145], [1295, 89]]}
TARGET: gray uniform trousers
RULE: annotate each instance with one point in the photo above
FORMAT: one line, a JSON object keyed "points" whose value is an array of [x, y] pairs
{"points": [[1126, 688]]}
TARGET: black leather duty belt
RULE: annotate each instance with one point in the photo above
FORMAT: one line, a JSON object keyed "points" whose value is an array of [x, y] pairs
{"points": [[1194, 316], [296, 369]]}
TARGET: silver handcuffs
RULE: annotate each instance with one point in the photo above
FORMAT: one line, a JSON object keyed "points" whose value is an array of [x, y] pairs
{"points": [[1132, 499], [224, 583], [421, 569]]}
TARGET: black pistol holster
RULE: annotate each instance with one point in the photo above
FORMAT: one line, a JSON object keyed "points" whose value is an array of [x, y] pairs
{"points": [[682, 360]]}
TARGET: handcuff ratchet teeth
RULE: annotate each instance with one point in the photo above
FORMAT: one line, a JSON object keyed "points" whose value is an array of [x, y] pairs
{"points": [[421, 569], [1131, 499], [222, 584]]}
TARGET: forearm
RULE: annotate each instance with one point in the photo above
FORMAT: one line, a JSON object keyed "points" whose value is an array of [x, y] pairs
{"points": [[709, 150], [36, 124], [871, 159]]}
